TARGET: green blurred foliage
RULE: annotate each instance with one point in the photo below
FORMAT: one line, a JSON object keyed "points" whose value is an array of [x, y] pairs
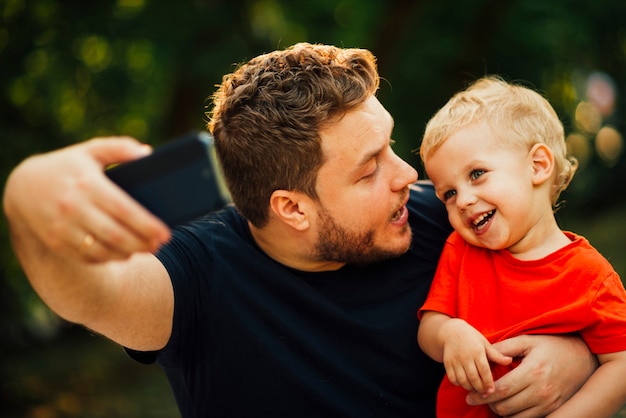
{"points": [[71, 70]]}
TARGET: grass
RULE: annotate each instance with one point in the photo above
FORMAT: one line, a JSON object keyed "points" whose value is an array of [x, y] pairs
{"points": [[80, 375]]}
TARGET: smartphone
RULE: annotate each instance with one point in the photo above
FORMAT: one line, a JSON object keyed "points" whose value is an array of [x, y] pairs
{"points": [[178, 182]]}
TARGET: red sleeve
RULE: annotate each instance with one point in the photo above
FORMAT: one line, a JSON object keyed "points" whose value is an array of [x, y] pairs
{"points": [[607, 334]]}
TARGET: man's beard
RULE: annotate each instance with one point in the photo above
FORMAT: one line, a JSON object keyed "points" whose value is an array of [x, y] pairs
{"points": [[335, 243]]}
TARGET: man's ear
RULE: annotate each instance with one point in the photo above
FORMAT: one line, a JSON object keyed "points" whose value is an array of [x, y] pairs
{"points": [[542, 160], [291, 208]]}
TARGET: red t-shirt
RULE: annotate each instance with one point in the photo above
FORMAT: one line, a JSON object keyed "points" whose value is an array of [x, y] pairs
{"points": [[573, 290]]}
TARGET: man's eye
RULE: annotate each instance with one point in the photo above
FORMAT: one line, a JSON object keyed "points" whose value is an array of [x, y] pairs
{"points": [[449, 194], [370, 175], [476, 173]]}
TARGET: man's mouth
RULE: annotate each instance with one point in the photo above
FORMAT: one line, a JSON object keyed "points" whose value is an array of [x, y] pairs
{"points": [[398, 214], [402, 210], [482, 220]]}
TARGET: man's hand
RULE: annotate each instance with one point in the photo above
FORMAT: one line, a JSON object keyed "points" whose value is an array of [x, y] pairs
{"points": [[553, 368], [65, 201]]}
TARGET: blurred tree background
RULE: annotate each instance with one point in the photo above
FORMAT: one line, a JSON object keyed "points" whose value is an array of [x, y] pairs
{"points": [[71, 70]]}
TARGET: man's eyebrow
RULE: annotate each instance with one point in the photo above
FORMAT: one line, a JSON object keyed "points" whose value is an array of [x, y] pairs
{"points": [[371, 154]]}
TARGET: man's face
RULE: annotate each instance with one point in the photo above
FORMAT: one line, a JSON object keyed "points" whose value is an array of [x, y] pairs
{"points": [[362, 189]]}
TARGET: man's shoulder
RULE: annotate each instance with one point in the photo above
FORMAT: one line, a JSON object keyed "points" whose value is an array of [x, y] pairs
{"points": [[423, 198], [423, 186], [427, 216], [227, 218]]}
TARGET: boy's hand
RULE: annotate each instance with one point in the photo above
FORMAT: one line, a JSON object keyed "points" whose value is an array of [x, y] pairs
{"points": [[466, 357]]}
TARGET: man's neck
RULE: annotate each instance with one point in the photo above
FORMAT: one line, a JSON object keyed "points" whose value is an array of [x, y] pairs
{"points": [[291, 248]]}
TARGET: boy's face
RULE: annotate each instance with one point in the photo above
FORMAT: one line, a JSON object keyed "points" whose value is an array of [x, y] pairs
{"points": [[362, 189], [487, 187]]}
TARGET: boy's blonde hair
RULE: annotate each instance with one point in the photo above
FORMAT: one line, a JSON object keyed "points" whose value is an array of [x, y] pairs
{"points": [[518, 115]]}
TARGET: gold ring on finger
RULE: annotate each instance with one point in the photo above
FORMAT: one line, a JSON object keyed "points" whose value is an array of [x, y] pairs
{"points": [[86, 244]]}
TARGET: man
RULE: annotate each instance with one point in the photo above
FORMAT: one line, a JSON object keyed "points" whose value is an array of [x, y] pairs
{"points": [[300, 302]]}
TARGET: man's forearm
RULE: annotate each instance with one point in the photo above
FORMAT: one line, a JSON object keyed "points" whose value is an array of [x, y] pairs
{"points": [[68, 287]]}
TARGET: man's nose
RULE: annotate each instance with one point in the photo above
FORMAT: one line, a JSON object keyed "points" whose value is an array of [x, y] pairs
{"points": [[406, 175]]}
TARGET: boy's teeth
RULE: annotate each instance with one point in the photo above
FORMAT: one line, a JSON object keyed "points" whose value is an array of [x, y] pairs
{"points": [[482, 217]]}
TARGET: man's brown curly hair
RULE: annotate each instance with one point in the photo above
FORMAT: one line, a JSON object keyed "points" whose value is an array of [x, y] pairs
{"points": [[267, 116]]}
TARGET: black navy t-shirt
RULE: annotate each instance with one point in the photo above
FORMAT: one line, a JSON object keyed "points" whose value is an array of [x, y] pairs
{"points": [[252, 337]]}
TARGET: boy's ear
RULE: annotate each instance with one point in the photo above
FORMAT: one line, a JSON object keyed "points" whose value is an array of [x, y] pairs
{"points": [[542, 160], [291, 208]]}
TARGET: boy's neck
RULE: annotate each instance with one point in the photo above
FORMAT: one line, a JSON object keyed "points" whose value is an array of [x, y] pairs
{"points": [[540, 242]]}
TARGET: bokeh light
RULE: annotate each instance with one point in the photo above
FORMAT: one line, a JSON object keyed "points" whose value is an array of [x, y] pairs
{"points": [[609, 145], [588, 118], [579, 146], [591, 118]]}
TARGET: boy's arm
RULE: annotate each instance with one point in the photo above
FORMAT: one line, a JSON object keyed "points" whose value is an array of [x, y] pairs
{"points": [[463, 350], [110, 283], [427, 334], [603, 394]]}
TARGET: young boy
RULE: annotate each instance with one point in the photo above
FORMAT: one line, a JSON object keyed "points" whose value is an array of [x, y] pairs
{"points": [[497, 157]]}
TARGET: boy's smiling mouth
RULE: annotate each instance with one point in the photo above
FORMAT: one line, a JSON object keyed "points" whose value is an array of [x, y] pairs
{"points": [[480, 221]]}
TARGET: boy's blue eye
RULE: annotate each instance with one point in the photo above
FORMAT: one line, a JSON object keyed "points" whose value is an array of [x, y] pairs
{"points": [[476, 173], [447, 195]]}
